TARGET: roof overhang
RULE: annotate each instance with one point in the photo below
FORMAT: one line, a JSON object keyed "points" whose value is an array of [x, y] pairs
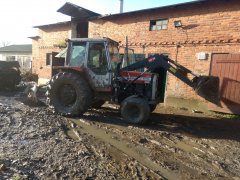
{"points": [[53, 25], [26, 48], [76, 11], [34, 37]]}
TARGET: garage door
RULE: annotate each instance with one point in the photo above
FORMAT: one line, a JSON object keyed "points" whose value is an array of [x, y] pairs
{"points": [[227, 68]]}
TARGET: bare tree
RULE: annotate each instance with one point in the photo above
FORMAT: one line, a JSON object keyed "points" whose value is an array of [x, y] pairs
{"points": [[5, 43]]}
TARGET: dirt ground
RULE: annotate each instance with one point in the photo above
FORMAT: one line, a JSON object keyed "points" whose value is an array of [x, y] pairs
{"points": [[35, 143]]}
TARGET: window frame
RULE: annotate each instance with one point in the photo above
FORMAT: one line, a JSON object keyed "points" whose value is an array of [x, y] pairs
{"points": [[158, 23]]}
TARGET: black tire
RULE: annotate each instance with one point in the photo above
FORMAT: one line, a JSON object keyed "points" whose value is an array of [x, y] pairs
{"points": [[97, 104], [135, 110], [11, 78], [69, 94]]}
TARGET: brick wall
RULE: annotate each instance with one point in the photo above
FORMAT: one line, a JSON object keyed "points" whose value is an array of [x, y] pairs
{"points": [[50, 38], [211, 27]]}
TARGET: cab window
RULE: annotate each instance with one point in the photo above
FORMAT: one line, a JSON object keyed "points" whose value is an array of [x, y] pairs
{"points": [[131, 58], [97, 60], [77, 55], [114, 55]]}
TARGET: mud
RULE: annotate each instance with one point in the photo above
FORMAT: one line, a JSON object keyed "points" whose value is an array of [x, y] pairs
{"points": [[35, 143]]}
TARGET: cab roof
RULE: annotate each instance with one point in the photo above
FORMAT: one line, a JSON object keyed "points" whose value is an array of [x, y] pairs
{"points": [[104, 39]]}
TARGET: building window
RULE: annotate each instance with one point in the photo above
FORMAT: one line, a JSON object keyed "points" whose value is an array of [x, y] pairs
{"points": [[158, 24], [48, 59], [10, 58]]}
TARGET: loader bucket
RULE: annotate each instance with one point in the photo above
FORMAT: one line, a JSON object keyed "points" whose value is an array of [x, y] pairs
{"points": [[208, 88]]}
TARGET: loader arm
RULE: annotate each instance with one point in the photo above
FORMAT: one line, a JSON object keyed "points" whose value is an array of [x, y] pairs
{"points": [[205, 86], [154, 62]]}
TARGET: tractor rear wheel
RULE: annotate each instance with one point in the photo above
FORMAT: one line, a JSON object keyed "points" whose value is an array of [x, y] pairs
{"points": [[135, 110], [69, 94]]}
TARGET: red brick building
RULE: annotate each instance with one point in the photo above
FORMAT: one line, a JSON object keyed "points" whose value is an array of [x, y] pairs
{"points": [[194, 34], [49, 41]]}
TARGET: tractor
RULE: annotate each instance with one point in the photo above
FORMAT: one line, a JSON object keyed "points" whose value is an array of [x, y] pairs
{"points": [[94, 72]]}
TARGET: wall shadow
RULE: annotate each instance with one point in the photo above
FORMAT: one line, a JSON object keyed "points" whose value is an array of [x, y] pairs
{"points": [[200, 127]]}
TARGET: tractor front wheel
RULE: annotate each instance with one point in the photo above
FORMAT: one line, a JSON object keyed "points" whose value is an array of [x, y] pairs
{"points": [[135, 110]]}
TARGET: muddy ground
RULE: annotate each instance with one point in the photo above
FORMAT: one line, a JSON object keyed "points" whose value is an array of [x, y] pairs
{"points": [[35, 143]]}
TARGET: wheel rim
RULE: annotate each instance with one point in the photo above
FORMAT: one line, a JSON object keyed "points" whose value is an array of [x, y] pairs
{"points": [[67, 95], [132, 111]]}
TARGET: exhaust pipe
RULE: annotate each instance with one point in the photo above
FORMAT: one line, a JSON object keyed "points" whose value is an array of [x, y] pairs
{"points": [[121, 6]]}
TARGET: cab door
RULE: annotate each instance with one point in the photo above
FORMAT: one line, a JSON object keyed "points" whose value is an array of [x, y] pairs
{"points": [[99, 70]]}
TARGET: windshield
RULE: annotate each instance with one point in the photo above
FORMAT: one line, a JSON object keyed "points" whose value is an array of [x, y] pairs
{"points": [[77, 54], [114, 55]]}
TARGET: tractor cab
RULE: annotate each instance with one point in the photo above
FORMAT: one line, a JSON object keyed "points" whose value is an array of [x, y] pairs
{"points": [[100, 55]]}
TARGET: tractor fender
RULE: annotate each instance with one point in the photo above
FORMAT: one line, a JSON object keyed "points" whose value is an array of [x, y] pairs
{"points": [[135, 96], [75, 70]]}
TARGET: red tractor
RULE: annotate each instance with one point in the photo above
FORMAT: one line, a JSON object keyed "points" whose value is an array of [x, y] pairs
{"points": [[94, 73]]}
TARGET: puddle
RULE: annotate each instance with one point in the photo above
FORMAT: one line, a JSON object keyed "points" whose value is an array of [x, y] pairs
{"points": [[124, 146], [70, 133], [187, 148]]}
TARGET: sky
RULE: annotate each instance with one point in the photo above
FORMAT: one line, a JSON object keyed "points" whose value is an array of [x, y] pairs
{"points": [[17, 17]]}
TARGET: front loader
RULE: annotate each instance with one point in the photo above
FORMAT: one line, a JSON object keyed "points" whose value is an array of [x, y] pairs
{"points": [[94, 73]]}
